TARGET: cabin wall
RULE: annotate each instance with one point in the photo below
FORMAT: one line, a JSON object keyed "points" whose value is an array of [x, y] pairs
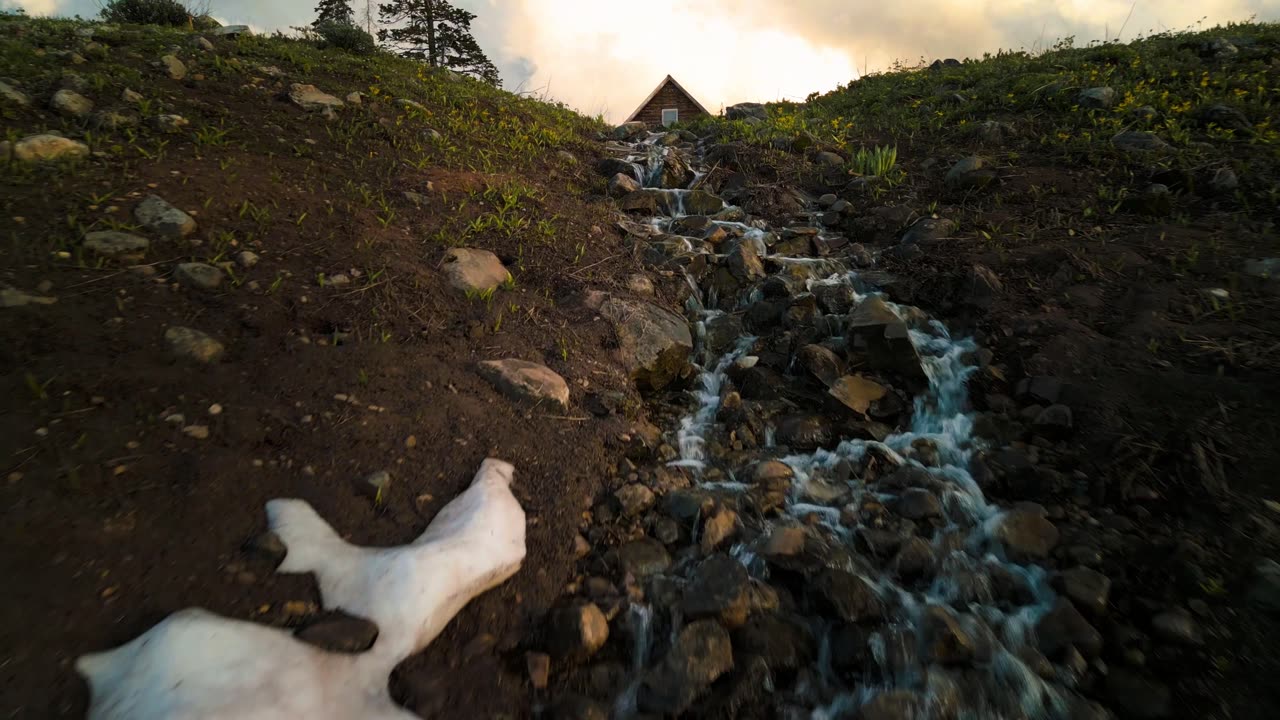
{"points": [[668, 97]]}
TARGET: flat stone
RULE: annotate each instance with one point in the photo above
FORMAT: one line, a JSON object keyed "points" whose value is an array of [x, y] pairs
{"points": [[308, 97], [644, 557], [116, 245], [42, 148], [199, 276], [577, 631], [71, 104], [193, 344], [175, 68], [158, 216], [339, 632], [525, 380], [857, 393], [1027, 535], [701, 653], [474, 271]]}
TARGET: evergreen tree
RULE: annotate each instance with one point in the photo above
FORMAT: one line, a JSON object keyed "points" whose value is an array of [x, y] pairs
{"points": [[437, 33], [335, 11]]}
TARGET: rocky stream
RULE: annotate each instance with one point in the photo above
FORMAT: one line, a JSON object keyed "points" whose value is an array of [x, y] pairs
{"points": [[813, 540]]}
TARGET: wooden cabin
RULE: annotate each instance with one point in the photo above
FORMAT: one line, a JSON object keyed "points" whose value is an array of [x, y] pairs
{"points": [[669, 103]]}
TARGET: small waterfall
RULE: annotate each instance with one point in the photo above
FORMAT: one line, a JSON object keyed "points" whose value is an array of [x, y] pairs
{"points": [[967, 554]]}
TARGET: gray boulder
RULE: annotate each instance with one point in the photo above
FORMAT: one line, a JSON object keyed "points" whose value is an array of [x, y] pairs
{"points": [[653, 344]]}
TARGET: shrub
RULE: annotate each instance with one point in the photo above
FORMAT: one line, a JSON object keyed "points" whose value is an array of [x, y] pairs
{"points": [[146, 12], [346, 37]]}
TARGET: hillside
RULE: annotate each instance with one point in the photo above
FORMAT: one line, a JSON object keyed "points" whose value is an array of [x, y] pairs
{"points": [[950, 393]]}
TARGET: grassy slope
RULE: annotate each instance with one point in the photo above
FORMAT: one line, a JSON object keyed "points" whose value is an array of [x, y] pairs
{"points": [[115, 517]]}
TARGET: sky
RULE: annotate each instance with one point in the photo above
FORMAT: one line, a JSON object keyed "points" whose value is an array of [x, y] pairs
{"points": [[606, 56]]}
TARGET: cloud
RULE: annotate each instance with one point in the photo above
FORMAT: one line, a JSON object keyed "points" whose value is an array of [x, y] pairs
{"points": [[605, 56]]}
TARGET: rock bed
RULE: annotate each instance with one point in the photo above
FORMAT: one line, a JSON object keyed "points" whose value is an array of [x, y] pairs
{"points": [[812, 538]]}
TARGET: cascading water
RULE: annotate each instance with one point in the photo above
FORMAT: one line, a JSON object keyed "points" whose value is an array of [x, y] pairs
{"points": [[970, 559]]}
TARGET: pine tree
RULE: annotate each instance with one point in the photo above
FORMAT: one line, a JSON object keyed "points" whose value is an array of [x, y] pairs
{"points": [[437, 33], [336, 11]]}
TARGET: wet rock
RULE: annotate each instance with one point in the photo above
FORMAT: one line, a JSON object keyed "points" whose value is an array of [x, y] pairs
{"points": [[1137, 696], [193, 345], [857, 393], [474, 271], [173, 67], [1138, 141], [69, 103], [116, 245], [634, 499], [918, 504], [720, 589], [527, 381], [1178, 627], [821, 362], [653, 344], [849, 596], [577, 631], [891, 705], [47, 148], [969, 174], [1086, 588], [875, 328], [915, 560], [621, 185], [644, 557], [308, 97], [199, 276], [806, 432], [701, 654], [723, 332], [161, 218], [719, 527], [339, 632], [948, 641], [1097, 98], [782, 640], [1027, 535], [1063, 628]]}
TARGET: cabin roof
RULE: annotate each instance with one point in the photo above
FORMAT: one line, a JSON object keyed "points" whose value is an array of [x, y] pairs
{"points": [[673, 81]]}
